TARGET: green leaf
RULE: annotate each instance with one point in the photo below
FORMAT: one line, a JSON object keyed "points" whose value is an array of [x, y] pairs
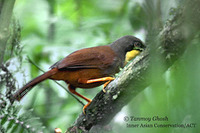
{"points": [[14, 129], [4, 119], [10, 124]]}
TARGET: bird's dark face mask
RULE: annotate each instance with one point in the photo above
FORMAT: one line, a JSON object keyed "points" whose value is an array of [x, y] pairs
{"points": [[137, 48]]}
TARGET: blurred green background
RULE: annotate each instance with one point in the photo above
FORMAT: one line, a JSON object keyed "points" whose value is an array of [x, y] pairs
{"points": [[52, 29]]}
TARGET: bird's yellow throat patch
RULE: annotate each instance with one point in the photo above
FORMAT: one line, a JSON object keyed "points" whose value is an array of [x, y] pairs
{"points": [[130, 55]]}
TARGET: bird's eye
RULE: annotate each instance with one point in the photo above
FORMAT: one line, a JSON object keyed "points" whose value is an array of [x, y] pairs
{"points": [[137, 44]]}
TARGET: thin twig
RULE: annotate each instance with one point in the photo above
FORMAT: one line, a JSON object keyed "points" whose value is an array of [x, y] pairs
{"points": [[55, 81]]}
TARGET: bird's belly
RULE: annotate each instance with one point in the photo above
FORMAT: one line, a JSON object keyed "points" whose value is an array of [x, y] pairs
{"points": [[73, 77]]}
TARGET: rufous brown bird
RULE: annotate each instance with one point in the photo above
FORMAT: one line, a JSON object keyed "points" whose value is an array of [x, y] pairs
{"points": [[89, 67]]}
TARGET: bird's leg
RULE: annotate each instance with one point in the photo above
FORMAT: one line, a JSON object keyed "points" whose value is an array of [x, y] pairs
{"points": [[73, 90], [107, 79]]}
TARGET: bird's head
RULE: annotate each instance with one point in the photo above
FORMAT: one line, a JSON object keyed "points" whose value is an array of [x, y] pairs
{"points": [[128, 46], [134, 49]]}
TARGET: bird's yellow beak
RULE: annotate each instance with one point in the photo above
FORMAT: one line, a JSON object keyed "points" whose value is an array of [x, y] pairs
{"points": [[130, 55]]}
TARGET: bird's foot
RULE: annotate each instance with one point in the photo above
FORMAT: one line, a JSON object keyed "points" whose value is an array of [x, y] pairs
{"points": [[89, 101], [57, 130], [109, 80]]}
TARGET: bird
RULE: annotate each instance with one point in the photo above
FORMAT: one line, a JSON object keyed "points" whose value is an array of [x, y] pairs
{"points": [[89, 67]]}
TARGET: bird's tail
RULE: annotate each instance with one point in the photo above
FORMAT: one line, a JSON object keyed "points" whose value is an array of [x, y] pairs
{"points": [[24, 90]]}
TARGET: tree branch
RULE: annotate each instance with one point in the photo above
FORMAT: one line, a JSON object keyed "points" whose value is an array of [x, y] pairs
{"points": [[5, 17], [134, 77]]}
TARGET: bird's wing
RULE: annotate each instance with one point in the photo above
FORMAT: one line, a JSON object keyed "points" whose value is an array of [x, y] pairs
{"points": [[95, 57]]}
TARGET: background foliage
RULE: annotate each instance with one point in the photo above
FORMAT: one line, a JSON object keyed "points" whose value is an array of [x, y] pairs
{"points": [[51, 29]]}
